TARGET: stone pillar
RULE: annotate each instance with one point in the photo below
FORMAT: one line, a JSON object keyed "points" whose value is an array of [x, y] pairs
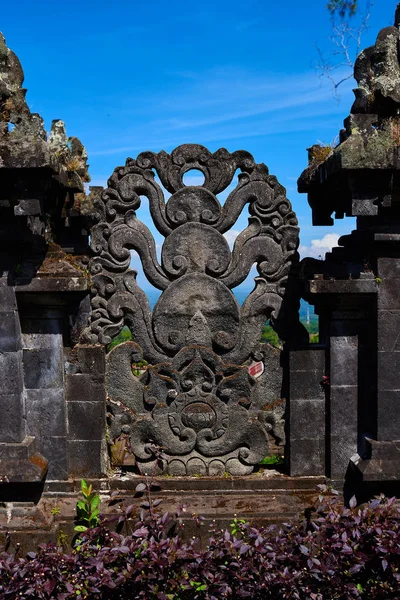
{"points": [[86, 405], [12, 422], [307, 412], [19, 461], [388, 426], [343, 405], [43, 365]]}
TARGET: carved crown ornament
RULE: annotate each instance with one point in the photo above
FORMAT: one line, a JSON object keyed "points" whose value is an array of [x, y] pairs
{"points": [[195, 398]]}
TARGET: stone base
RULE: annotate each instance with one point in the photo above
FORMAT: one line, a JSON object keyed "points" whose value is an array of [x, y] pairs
{"points": [[383, 463], [20, 463], [261, 499]]}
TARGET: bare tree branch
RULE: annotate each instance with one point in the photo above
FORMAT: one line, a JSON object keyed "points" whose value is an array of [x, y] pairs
{"points": [[338, 65]]}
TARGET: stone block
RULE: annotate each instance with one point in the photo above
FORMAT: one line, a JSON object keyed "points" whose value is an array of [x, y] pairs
{"points": [[344, 361], [12, 424], [86, 459], [388, 370], [306, 385], [8, 300], [10, 332], [307, 457], [311, 359], [389, 330], [42, 331], [86, 420], [341, 451], [307, 419], [344, 411], [92, 360], [43, 368], [389, 267], [10, 372], [21, 462], [389, 294], [388, 425], [81, 388], [45, 413], [55, 450]]}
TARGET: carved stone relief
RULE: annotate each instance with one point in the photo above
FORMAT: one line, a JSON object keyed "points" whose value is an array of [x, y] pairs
{"points": [[195, 399]]}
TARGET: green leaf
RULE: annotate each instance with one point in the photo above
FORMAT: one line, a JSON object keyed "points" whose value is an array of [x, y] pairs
{"points": [[84, 486], [81, 505], [80, 528], [95, 502]]}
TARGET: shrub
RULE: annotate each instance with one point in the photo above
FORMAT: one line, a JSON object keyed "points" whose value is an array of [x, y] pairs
{"points": [[340, 552]]}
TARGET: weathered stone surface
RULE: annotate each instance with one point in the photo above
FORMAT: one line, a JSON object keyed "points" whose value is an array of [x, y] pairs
{"points": [[356, 289], [196, 399], [21, 463]]}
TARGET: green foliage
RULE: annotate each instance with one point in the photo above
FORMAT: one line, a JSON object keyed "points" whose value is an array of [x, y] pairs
{"points": [[124, 336], [237, 526], [273, 459], [343, 8], [87, 509], [270, 336], [137, 368]]}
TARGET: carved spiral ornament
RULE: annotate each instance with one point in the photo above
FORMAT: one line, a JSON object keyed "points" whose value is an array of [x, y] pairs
{"points": [[197, 327]]}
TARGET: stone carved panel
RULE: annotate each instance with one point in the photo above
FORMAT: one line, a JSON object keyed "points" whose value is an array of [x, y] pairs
{"points": [[195, 398]]}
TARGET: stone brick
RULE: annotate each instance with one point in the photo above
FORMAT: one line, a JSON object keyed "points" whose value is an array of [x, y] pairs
{"points": [[341, 451], [389, 294], [55, 450], [389, 330], [86, 420], [8, 300], [388, 415], [43, 368], [344, 360], [12, 424], [307, 457], [86, 459], [344, 410], [388, 267], [307, 419], [45, 412], [10, 372], [81, 388], [92, 360], [389, 370], [10, 332], [311, 359], [306, 385]]}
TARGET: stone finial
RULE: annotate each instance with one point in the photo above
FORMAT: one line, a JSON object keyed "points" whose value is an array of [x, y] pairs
{"points": [[377, 72]]}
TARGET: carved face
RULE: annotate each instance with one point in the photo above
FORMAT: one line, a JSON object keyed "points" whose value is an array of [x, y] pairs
{"points": [[197, 406]]}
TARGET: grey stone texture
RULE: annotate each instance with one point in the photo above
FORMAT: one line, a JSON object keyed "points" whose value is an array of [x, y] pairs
{"points": [[196, 399], [356, 289], [307, 412]]}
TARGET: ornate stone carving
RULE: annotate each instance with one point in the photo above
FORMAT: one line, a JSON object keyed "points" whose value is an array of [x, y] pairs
{"points": [[195, 400]]}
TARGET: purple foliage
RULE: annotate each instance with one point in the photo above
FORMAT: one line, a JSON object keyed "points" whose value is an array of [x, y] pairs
{"points": [[340, 553]]}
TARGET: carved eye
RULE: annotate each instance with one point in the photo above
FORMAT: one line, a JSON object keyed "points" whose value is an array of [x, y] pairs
{"points": [[223, 340], [175, 337], [207, 386], [187, 384], [180, 216]]}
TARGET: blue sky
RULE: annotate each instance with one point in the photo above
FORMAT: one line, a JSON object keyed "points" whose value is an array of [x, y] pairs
{"points": [[128, 76]]}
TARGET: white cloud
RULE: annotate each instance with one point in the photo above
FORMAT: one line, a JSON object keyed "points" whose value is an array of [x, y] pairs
{"points": [[319, 247], [231, 236]]}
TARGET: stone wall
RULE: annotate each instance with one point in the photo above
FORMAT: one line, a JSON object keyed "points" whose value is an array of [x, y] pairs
{"points": [[195, 380]]}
